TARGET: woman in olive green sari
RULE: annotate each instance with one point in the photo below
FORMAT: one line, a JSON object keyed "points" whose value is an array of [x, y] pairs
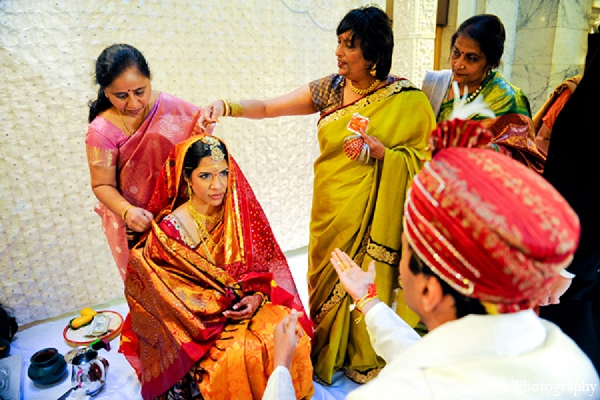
{"points": [[351, 210], [353, 200]]}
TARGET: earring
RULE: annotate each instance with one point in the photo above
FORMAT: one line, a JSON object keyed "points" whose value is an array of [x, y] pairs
{"points": [[373, 71], [189, 191]]}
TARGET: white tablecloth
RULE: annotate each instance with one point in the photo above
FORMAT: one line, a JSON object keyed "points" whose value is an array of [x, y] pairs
{"points": [[122, 382]]}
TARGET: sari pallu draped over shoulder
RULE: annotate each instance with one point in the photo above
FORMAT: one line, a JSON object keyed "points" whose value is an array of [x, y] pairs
{"points": [[357, 207], [177, 295]]}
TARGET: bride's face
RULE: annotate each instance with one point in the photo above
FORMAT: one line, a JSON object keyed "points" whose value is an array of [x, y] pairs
{"points": [[209, 183]]}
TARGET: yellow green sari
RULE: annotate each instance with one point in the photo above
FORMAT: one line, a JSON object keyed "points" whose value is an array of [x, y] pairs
{"points": [[501, 96], [357, 207]]}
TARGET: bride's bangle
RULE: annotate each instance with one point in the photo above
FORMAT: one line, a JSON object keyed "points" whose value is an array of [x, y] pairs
{"points": [[264, 298]]}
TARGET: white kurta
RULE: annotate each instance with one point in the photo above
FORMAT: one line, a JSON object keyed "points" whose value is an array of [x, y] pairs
{"points": [[508, 356]]}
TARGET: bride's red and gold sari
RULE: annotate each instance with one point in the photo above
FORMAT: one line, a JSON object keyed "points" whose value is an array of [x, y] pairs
{"points": [[177, 294]]}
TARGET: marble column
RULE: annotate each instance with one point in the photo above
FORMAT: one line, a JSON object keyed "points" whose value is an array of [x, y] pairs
{"points": [[550, 45], [414, 36], [546, 41]]}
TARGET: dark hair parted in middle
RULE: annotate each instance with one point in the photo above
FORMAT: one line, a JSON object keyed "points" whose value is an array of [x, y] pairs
{"points": [[371, 27], [201, 149], [488, 31], [112, 62]]}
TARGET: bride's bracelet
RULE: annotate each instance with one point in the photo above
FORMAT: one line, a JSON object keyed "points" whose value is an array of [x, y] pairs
{"points": [[265, 298]]}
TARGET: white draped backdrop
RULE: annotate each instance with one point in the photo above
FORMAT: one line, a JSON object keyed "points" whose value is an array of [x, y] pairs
{"points": [[53, 254]]}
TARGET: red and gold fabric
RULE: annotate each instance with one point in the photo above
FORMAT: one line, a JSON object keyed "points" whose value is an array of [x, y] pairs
{"points": [[490, 227], [514, 136], [459, 133], [177, 295]]}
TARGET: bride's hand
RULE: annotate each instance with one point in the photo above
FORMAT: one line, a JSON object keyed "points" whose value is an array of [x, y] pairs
{"points": [[245, 308]]}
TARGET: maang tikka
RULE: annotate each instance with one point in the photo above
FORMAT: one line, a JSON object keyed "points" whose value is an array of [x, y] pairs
{"points": [[216, 154]]}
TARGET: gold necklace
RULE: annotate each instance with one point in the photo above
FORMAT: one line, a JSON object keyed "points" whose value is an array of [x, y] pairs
{"points": [[202, 231], [203, 219], [125, 128], [473, 96], [208, 219], [362, 92]]}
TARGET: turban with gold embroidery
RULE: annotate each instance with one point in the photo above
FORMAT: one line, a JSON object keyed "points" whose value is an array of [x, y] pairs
{"points": [[488, 226]]}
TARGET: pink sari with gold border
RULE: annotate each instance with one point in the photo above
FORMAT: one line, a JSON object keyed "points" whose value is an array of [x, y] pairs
{"points": [[138, 159]]}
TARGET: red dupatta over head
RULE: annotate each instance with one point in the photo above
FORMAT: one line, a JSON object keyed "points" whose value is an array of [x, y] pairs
{"points": [[251, 246]]}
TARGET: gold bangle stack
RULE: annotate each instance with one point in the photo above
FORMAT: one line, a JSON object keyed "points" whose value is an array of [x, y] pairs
{"points": [[232, 109]]}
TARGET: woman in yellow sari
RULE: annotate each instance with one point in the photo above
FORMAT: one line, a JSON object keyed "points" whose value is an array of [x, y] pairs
{"points": [[356, 187], [208, 277]]}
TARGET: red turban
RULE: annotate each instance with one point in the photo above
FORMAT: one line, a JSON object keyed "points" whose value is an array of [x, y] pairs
{"points": [[459, 133], [490, 227]]}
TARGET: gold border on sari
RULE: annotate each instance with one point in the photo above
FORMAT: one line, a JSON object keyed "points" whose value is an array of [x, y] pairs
{"points": [[378, 95]]}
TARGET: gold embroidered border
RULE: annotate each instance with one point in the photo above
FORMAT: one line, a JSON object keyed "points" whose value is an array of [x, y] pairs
{"points": [[382, 253], [380, 94], [361, 377], [337, 294], [362, 249], [377, 252]]}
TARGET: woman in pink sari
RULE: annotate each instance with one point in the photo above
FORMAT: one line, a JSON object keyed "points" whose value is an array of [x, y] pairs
{"points": [[132, 130]]}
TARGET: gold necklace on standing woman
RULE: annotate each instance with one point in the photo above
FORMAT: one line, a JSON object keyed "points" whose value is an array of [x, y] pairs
{"points": [[362, 92], [126, 130]]}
